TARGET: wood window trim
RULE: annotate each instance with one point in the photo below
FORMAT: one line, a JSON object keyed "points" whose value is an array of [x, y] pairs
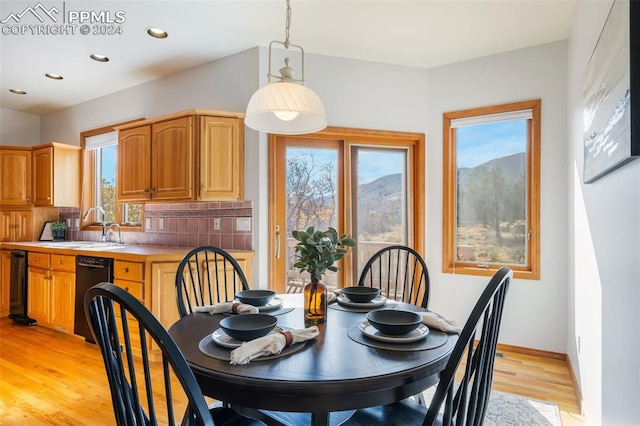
{"points": [[449, 264], [87, 172], [351, 136]]}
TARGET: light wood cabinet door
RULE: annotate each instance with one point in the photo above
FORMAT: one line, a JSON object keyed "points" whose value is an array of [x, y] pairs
{"points": [[62, 299], [221, 158], [16, 225], [172, 159], [43, 171], [56, 175], [134, 164], [23, 221], [5, 282], [38, 304], [15, 177]]}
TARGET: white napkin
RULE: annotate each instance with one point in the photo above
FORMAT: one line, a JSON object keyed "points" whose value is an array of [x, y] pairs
{"points": [[332, 294], [270, 344], [221, 308], [433, 320]]}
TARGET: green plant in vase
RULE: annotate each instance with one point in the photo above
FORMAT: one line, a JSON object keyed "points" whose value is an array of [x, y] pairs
{"points": [[317, 252], [57, 229]]}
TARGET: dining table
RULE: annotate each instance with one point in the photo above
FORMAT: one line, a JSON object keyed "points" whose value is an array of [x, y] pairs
{"points": [[340, 370]]}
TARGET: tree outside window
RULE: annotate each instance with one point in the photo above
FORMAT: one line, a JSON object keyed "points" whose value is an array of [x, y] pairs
{"points": [[491, 202]]}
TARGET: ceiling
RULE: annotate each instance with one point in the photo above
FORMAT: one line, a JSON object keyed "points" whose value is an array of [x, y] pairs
{"points": [[415, 33]]}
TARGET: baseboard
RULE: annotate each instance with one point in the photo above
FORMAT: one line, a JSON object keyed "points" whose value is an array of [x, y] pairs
{"points": [[530, 351], [574, 383]]}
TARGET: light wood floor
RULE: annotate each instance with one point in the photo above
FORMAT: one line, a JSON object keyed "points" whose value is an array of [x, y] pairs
{"points": [[51, 378]]}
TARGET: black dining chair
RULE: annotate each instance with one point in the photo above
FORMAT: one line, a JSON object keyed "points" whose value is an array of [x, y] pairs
{"points": [[400, 273], [138, 398], [471, 362], [207, 275]]}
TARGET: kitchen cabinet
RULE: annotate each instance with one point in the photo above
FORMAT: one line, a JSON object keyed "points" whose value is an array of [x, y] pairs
{"points": [[164, 171], [130, 277], [221, 158], [192, 155], [52, 284], [15, 176], [16, 225], [5, 282], [56, 175]]}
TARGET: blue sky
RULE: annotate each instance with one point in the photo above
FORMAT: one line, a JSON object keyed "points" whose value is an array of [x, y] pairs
{"points": [[477, 144], [372, 164]]}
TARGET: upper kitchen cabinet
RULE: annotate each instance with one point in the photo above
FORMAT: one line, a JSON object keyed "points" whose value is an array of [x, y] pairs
{"points": [[221, 158], [191, 155], [56, 175], [155, 162], [15, 176]]}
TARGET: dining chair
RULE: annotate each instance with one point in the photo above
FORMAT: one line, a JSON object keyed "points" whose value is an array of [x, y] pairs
{"points": [[471, 362], [138, 398], [400, 273], [207, 275]]}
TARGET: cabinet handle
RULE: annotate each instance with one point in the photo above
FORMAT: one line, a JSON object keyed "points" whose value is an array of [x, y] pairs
{"points": [[60, 262], [146, 190], [28, 198], [125, 270], [153, 190], [126, 288]]}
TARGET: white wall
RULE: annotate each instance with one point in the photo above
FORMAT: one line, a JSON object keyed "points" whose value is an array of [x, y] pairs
{"points": [[19, 128], [604, 257], [224, 85], [535, 311]]}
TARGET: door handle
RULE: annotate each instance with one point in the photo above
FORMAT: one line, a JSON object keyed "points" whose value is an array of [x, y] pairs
{"points": [[277, 241]]}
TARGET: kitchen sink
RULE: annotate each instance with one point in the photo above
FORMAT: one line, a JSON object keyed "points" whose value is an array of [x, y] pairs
{"points": [[82, 244]]}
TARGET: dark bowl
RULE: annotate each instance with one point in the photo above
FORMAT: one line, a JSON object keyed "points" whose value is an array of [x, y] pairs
{"points": [[248, 327], [392, 322], [361, 294], [255, 297]]}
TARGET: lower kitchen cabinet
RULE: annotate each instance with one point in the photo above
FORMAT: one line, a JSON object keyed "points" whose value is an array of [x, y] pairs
{"points": [[5, 282], [52, 287], [130, 277]]}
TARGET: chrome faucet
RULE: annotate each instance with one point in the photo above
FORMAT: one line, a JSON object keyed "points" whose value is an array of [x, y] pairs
{"points": [[119, 232], [104, 220]]}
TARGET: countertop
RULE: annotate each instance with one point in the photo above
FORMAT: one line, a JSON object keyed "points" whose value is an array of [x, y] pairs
{"points": [[132, 252]]}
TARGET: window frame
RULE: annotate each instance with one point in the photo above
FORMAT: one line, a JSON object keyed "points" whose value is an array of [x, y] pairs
{"points": [[89, 184], [449, 262]]}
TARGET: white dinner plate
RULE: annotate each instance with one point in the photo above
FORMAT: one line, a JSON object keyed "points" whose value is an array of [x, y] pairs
{"points": [[370, 331], [375, 303], [224, 340], [273, 304]]}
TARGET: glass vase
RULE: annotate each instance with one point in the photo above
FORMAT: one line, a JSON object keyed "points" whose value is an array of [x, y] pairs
{"points": [[315, 303]]}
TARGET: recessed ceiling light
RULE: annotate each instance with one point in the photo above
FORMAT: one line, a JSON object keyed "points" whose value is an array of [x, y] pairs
{"points": [[54, 76], [99, 58], [18, 91], [157, 33]]}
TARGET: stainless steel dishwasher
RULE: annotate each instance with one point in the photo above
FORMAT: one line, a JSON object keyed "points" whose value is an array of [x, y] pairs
{"points": [[89, 272]]}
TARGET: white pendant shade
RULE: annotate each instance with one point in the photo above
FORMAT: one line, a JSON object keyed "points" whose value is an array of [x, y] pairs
{"points": [[285, 108]]}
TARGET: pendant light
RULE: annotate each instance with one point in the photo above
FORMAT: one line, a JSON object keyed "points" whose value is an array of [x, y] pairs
{"points": [[285, 106]]}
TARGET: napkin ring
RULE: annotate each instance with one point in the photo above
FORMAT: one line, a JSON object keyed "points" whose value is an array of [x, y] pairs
{"points": [[234, 308], [288, 338]]}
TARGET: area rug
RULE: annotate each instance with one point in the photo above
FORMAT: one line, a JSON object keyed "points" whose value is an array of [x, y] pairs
{"points": [[508, 409]]}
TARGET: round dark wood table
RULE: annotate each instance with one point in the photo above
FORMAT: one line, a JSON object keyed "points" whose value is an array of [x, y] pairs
{"points": [[331, 373]]}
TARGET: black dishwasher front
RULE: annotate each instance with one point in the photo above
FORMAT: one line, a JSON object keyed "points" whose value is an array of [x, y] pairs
{"points": [[89, 272]]}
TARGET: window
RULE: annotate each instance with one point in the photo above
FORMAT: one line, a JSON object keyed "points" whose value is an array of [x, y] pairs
{"points": [[491, 205], [366, 184], [99, 183]]}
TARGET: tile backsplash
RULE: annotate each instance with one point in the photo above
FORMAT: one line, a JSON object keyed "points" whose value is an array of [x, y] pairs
{"points": [[181, 225]]}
